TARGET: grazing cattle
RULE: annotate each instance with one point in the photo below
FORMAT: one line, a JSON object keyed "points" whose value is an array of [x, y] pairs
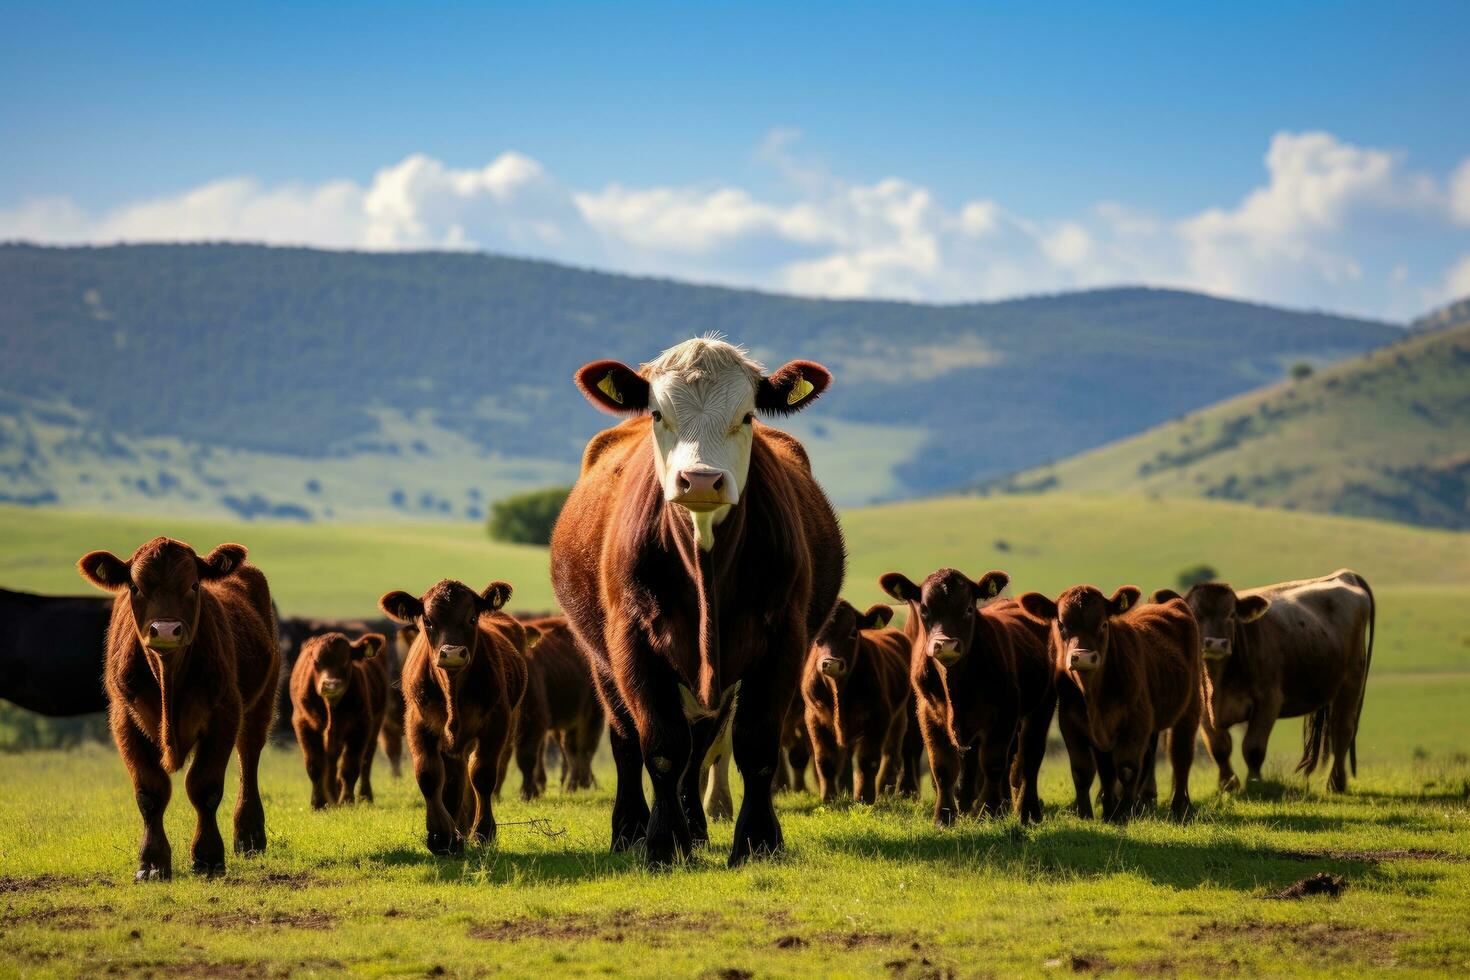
{"points": [[52, 650], [982, 674], [462, 683], [1281, 651], [1127, 672], [191, 668], [339, 688], [856, 691], [559, 699], [296, 630], [696, 555]]}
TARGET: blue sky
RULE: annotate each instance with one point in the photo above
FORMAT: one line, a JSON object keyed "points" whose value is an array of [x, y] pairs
{"points": [[1306, 154]]}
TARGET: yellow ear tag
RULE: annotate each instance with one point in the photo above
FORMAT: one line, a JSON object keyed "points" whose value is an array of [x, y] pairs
{"points": [[608, 388], [800, 390], [993, 590], [1123, 604]]}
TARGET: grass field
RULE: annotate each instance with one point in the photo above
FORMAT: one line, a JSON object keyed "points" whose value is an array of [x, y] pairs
{"points": [[862, 891]]}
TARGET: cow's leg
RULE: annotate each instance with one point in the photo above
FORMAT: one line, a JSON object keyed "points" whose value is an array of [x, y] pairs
{"points": [[151, 790], [944, 765], [1127, 756], [1148, 782], [332, 781], [827, 755], [971, 779], [994, 756], [352, 750], [652, 697], [714, 773], [766, 691], [530, 750], [1343, 722], [798, 755], [1181, 758], [458, 799], [1083, 761], [1109, 787], [1258, 735], [255, 730], [541, 763], [391, 739], [703, 736], [587, 749], [1028, 759], [868, 756], [844, 773], [913, 751], [484, 767], [891, 764], [428, 771], [205, 785], [1221, 746], [369, 752], [315, 754]]}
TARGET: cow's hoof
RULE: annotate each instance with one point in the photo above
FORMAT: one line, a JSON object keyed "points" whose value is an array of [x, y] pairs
{"points": [[1230, 784], [152, 872], [250, 841], [209, 869], [444, 845]]}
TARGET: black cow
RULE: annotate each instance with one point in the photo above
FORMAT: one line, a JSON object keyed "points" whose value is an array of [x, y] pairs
{"points": [[51, 652]]}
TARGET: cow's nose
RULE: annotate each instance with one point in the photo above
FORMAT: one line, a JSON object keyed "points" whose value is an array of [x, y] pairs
{"points": [[830, 666], [1215, 647], [701, 485], [1084, 660], [452, 656], [165, 633], [945, 649]]}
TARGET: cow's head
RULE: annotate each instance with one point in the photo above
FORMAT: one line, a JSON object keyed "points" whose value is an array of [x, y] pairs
{"points": [[702, 396], [1080, 623], [448, 616], [947, 603], [162, 579], [333, 656], [836, 646], [1218, 610]]}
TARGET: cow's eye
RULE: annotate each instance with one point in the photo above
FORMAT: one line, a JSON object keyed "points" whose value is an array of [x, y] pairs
{"points": [[428, 624], [657, 415], [749, 418]]}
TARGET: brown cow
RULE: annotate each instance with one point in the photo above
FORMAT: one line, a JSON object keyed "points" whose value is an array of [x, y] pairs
{"points": [[856, 690], [339, 695], [982, 673], [559, 699], [462, 683], [1127, 672], [191, 667], [1280, 651], [696, 554]]}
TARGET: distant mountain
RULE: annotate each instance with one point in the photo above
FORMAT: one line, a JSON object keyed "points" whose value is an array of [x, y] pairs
{"points": [[298, 383], [1386, 435]]}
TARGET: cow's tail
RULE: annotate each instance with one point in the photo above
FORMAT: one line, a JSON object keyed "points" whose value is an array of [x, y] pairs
{"points": [[1314, 738], [1367, 666]]}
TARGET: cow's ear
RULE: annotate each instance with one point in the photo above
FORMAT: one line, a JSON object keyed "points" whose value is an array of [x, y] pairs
{"points": [[792, 388], [494, 596], [533, 635], [613, 387], [897, 585], [1124, 599], [1162, 596], [1038, 607], [222, 561], [366, 647], [1251, 608], [877, 617], [401, 607], [105, 570], [990, 585]]}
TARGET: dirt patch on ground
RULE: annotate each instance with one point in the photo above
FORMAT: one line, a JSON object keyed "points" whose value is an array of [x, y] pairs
{"points": [[1332, 942], [863, 940], [1393, 854], [42, 883], [612, 928], [276, 879], [64, 917], [918, 967], [307, 919]]}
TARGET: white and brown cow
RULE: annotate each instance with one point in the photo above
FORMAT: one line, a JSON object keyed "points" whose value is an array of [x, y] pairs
{"points": [[1283, 651], [696, 555]]}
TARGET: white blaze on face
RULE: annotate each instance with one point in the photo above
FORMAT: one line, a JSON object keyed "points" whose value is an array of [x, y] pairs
{"points": [[702, 397]]}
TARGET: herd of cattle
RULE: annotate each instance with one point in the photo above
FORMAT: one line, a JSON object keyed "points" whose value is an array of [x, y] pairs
{"points": [[699, 566]]}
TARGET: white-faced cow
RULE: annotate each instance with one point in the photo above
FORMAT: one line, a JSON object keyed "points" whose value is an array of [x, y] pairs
{"points": [[696, 555]]}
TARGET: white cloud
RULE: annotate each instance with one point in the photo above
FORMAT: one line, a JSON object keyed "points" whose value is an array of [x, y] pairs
{"points": [[1326, 228]]}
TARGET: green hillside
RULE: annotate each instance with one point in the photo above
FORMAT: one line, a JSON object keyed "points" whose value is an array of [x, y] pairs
{"points": [[285, 383], [1386, 435]]}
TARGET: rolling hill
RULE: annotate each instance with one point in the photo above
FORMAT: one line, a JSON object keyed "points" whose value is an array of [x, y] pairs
{"points": [[252, 382], [1386, 435]]}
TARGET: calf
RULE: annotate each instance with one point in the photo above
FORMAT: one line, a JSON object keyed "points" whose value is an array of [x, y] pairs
{"points": [[1281, 651], [560, 699], [339, 690], [191, 667], [1128, 672], [855, 688], [982, 675], [462, 684], [51, 652]]}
